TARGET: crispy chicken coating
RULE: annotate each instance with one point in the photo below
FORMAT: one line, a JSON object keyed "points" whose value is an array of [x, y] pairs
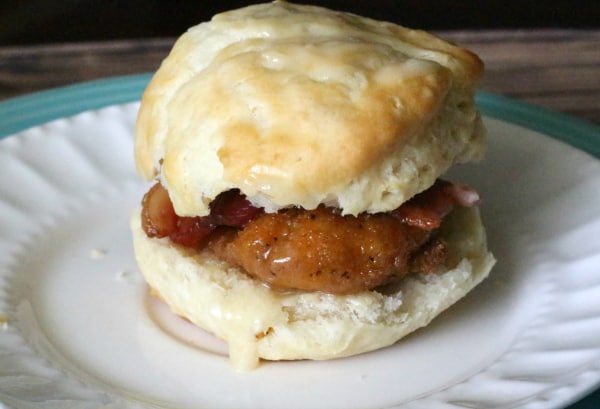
{"points": [[321, 250]]}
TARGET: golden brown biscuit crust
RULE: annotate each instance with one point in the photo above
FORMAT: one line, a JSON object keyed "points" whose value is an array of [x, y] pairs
{"points": [[300, 105]]}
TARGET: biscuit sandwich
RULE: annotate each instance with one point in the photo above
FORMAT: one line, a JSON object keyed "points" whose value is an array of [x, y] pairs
{"points": [[298, 207]]}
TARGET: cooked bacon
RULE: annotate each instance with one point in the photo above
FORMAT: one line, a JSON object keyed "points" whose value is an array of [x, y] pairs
{"points": [[315, 250], [463, 195], [427, 209], [158, 217], [229, 208], [191, 231]]}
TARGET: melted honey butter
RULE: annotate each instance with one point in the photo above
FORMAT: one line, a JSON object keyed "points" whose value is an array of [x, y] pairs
{"points": [[247, 318]]}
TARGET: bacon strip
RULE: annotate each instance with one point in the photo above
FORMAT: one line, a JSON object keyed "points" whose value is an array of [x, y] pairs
{"points": [[159, 219], [427, 209], [158, 216]]}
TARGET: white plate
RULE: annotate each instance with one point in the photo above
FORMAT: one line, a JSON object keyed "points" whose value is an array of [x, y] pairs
{"points": [[81, 332]]}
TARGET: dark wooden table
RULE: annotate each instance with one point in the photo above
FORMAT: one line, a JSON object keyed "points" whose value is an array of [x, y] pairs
{"points": [[557, 69]]}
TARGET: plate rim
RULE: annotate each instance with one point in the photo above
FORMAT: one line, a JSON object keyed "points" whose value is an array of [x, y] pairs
{"points": [[21, 113]]}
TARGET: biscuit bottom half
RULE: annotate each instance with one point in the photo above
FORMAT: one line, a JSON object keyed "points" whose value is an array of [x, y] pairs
{"points": [[260, 323]]}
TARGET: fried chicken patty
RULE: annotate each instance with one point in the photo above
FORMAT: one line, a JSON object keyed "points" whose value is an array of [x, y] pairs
{"points": [[321, 250], [313, 250]]}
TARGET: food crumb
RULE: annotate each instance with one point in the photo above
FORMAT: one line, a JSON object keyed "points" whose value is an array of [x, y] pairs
{"points": [[263, 334], [3, 322], [129, 276], [122, 275], [96, 254]]}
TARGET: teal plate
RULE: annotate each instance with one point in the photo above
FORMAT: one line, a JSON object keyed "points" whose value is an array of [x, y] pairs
{"points": [[18, 114]]}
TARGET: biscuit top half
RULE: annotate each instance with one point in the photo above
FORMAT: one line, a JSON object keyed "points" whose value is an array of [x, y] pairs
{"points": [[300, 105]]}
